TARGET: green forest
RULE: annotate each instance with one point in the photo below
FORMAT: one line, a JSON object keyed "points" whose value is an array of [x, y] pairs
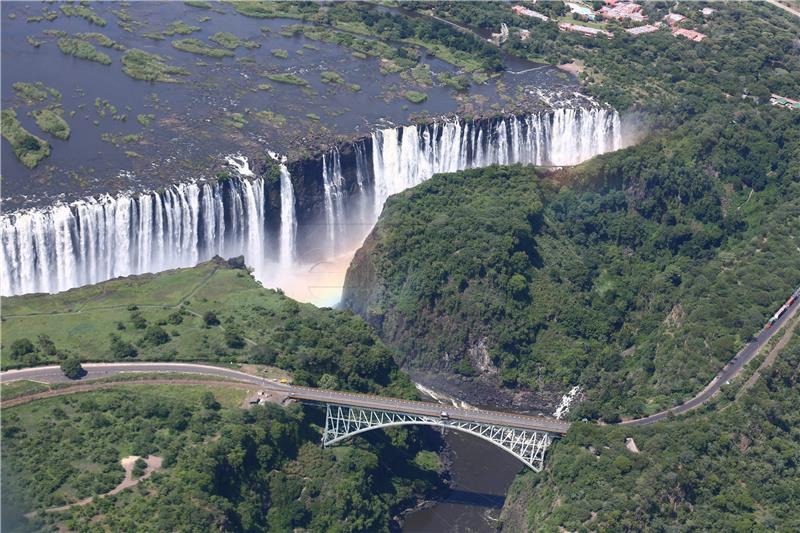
{"points": [[731, 467], [627, 281], [213, 312], [224, 467]]}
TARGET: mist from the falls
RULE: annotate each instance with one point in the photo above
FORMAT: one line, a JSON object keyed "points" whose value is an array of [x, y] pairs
{"points": [[63, 246]]}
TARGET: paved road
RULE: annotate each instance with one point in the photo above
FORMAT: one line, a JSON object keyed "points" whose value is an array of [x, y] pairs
{"points": [[730, 371], [53, 374]]}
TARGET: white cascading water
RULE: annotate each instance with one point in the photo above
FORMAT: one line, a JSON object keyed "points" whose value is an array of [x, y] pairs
{"points": [[288, 219], [63, 246]]}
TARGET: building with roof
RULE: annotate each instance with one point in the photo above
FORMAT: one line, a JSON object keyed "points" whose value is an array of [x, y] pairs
{"points": [[689, 34], [525, 12], [524, 35], [585, 30], [622, 11], [673, 18], [647, 28], [782, 101], [707, 11]]}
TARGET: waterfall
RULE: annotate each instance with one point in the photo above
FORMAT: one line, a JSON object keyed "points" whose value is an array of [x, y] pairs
{"points": [[288, 220], [332, 182], [56, 248]]}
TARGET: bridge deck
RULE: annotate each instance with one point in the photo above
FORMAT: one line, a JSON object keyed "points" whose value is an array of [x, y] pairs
{"points": [[550, 425]]}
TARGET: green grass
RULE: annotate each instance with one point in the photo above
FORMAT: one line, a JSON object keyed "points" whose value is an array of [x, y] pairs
{"points": [[142, 65], [290, 79], [23, 387], [415, 97], [232, 42], [51, 122], [29, 149], [82, 50], [196, 46]]}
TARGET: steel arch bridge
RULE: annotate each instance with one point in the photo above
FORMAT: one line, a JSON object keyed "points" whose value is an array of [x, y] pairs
{"points": [[344, 421]]}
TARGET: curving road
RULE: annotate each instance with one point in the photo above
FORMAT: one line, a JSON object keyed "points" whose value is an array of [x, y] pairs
{"points": [[730, 371], [53, 374]]}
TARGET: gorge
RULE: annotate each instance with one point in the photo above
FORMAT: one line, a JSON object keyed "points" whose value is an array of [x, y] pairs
{"points": [[319, 208]]}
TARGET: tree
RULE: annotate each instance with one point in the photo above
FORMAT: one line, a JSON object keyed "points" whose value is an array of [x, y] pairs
{"points": [[72, 368], [328, 381], [21, 347], [209, 401], [46, 345], [121, 349], [155, 336], [210, 318], [233, 338], [139, 467]]}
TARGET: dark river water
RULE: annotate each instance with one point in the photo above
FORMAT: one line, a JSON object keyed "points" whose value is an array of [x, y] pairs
{"points": [[481, 474], [191, 130]]}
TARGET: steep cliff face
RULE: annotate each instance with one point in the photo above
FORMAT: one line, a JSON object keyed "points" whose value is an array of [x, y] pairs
{"points": [[435, 279]]}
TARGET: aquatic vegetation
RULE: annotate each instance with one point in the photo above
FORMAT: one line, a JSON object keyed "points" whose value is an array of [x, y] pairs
{"points": [[232, 42], [99, 38], [33, 41], [142, 65], [270, 118], [313, 116], [50, 121], [180, 28], [264, 87], [84, 12], [145, 120], [279, 53], [276, 9], [28, 148], [82, 50], [331, 77], [195, 46], [35, 92], [198, 4], [291, 79], [235, 120], [415, 97]]}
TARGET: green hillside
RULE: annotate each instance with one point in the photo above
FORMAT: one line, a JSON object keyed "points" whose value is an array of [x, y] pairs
{"points": [[636, 275], [213, 312]]}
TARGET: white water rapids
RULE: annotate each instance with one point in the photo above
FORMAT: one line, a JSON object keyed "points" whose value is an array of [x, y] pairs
{"points": [[62, 246]]}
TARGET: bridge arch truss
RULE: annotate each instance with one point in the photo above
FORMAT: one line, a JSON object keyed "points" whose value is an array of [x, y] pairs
{"points": [[343, 421]]}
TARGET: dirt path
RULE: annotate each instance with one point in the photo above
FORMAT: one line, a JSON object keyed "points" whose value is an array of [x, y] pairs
{"points": [[770, 359], [153, 463], [785, 8]]}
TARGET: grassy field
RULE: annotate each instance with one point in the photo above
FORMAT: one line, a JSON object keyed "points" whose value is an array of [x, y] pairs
{"points": [[80, 321], [213, 312]]}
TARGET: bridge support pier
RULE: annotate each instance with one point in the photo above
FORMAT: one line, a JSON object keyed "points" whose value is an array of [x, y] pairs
{"points": [[343, 421]]}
